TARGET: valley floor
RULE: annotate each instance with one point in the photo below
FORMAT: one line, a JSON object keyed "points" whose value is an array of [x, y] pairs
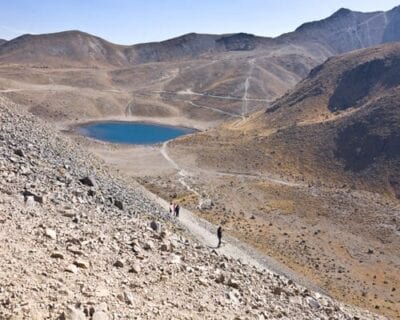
{"points": [[300, 226]]}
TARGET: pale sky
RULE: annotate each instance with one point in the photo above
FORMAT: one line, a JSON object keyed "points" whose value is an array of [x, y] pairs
{"points": [[136, 21]]}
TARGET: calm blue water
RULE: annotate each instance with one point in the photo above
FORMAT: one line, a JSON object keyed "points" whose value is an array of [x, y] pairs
{"points": [[131, 132]]}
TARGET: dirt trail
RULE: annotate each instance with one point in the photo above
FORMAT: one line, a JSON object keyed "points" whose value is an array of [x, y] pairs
{"points": [[245, 108], [205, 233], [184, 174], [234, 115], [181, 172], [209, 95]]}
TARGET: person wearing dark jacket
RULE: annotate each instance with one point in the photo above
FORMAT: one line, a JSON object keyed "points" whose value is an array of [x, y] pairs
{"points": [[219, 235]]}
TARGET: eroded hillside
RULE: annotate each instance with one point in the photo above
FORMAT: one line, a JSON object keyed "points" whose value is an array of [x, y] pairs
{"points": [[320, 166]]}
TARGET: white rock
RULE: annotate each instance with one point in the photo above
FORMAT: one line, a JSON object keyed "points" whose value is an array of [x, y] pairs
{"points": [[81, 264], [52, 234], [205, 204], [135, 268], [72, 268], [175, 259], [100, 315], [30, 201], [73, 314], [129, 299], [203, 281]]}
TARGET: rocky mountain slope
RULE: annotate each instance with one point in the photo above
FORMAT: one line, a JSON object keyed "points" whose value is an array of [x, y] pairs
{"points": [[325, 157], [79, 243]]}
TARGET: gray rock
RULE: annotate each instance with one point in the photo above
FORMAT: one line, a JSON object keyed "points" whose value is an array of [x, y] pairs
{"points": [[119, 204], [156, 226], [165, 247], [89, 181], [205, 204], [119, 264], [220, 278], [233, 283], [314, 304], [19, 152], [57, 255], [148, 246]]}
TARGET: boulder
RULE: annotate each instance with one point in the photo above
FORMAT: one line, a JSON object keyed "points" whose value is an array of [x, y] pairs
{"points": [[57, 255], [205, 204], [100, 315], [89, 181], [119, 264], [72, 314], [81, 264], [19, 153], [50, 233], [135, 269], [119, 204], [156, 226], [72, 269]]}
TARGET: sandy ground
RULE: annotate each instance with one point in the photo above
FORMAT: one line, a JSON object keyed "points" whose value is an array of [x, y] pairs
{"points": [[137, 161]]}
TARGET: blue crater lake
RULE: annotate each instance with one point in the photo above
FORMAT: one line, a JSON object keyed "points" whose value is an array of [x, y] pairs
{"points": [[131, 132]]}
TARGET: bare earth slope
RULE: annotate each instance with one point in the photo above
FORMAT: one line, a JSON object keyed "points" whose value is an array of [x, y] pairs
{"points": [[322, 160]]}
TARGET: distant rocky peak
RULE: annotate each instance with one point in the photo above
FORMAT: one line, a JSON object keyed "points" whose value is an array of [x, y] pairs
{"points": [[341, 13], [238, 41]]}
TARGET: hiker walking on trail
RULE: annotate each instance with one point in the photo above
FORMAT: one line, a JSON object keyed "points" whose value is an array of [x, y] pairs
{"points": [[171, 208], [177, 208], [219, 235]]}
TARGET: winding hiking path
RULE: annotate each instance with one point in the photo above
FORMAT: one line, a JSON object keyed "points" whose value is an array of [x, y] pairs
{"points": [[181, 172], [209, 95], [185, 174], [205, 233]]}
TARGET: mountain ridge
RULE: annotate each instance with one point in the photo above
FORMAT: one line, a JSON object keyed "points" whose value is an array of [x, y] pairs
{"points": [[359, 30]]}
